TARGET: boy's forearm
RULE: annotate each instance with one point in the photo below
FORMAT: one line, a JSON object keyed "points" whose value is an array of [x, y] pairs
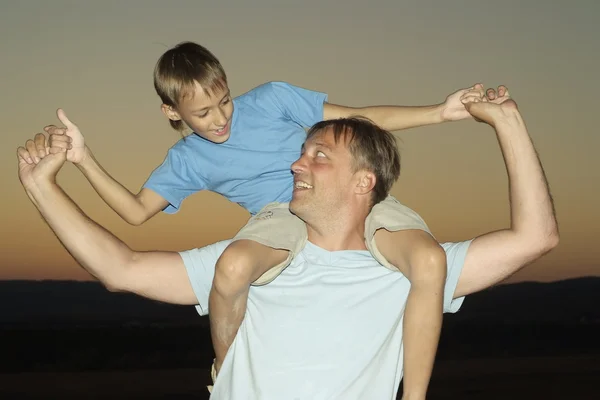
{"points": [[99, 252], [115, 195], [393, 118]]}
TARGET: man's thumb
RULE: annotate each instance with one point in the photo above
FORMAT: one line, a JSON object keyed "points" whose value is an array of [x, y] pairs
{"points": [[63, 118]]}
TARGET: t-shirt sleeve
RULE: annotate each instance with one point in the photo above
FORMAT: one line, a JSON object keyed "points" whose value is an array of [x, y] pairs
{"points": [[455, 259], [175, 179], [302, 106], [200, 266]]}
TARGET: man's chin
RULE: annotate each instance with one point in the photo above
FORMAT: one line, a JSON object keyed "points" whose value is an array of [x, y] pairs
{"points": [[295, 208]]}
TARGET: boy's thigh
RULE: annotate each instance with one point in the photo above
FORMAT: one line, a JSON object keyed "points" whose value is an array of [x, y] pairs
{"points": [[276, 227], [392, 216]]}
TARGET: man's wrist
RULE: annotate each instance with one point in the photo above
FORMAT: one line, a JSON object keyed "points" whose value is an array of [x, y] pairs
{"points": [[509, 119], [38, 186]]}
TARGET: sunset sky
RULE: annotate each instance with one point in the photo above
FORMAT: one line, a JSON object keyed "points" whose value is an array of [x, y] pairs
{"points": [[95, 60]]}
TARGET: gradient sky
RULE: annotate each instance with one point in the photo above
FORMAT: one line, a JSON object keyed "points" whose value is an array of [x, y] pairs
{"points": [[95, 59]]}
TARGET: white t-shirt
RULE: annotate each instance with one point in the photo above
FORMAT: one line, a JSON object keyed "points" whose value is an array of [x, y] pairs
{"points": [[329, 327]]}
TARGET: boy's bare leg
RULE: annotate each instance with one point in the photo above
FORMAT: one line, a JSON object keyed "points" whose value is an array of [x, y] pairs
{"points": [[242, 262], [423, 261]]}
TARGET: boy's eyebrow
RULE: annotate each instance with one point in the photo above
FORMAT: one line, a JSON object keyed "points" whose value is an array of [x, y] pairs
{"points": [[205, 108]]}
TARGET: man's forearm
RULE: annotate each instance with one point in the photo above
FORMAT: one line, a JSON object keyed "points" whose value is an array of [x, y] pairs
{"points": [[532, 210], [394, 118], [495, 256], [99, 252]]}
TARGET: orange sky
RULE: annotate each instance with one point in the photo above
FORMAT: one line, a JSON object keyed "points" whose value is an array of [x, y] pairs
{"points": [[95, 60]]}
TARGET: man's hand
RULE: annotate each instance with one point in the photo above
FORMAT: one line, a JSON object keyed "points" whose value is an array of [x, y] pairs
{"points": [[39, 163], [453, 109], [77, 152], [490, 108]]}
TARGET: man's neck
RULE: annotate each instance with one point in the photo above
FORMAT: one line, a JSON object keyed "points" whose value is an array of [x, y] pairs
{"points": [[342, 234]]}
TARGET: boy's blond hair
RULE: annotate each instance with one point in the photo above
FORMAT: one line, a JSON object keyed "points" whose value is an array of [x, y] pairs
{"points": [[178, 70]]}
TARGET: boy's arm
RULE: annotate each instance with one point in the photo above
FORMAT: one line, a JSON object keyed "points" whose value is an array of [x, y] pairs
{"points": [[133, 208], [393, 118], [533, 230]]}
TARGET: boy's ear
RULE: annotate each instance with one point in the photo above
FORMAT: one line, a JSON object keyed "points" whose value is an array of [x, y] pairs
{"points": [[366, 182], [170, 112]]}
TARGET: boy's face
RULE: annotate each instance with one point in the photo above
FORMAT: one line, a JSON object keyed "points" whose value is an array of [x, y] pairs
{"points": [[207, 115]]}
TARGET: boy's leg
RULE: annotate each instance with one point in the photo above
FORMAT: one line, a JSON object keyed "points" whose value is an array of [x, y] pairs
{"points": [[400, 239], [258, 254]]}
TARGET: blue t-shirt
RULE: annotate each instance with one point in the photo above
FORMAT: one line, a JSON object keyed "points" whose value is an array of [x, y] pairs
{"points": [[252, 168]]}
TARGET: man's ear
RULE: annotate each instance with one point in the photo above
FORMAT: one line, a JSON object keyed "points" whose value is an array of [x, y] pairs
{"points": [[170, 112], [365, 182]]}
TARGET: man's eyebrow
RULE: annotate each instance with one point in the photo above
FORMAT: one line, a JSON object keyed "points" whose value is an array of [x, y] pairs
{"points": [[321, 144]]}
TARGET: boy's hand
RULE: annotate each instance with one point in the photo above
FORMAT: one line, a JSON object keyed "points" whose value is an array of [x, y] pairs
{"points": [[77, 152], [453, 108]]}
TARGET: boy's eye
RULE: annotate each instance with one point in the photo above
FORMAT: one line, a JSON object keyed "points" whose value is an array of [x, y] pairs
{"points": [[320, 154], [202, 115], [227, 100]]}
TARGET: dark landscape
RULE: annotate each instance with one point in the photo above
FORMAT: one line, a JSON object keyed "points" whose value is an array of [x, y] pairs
{"points": [[77, 340]]}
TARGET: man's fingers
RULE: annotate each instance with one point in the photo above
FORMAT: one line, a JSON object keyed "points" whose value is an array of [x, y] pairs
{"points": [[63, 118], [32, 151], [503, 91], [23, 155], [491, 94], [40, 144]]}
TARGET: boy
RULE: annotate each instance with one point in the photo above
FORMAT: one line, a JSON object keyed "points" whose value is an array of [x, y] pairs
{"points": [[242, 148]]}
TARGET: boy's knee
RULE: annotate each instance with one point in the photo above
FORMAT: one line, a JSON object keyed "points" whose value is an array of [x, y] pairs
{"points": [[234, 269], [428, 265]]}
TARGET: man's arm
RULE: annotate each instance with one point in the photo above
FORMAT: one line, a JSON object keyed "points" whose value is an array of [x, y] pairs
{"points": [[393, 118], [156, 275], [533, 230]]}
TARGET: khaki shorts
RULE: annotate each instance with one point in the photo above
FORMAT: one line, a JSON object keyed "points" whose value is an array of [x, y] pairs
{"points": [[276, 227], [393, 216]]}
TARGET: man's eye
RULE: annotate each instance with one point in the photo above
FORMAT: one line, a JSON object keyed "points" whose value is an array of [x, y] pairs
{"points": [[320, 154]]}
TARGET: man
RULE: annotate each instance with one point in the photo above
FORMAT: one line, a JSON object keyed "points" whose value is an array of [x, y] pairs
{"points": [[290, 343]]}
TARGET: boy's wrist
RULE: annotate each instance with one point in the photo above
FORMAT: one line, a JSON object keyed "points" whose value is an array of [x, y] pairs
{"points": [[86, 161]]}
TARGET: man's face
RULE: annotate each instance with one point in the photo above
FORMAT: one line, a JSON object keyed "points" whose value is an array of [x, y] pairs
{"points": [[207, 115], [323, 177]]}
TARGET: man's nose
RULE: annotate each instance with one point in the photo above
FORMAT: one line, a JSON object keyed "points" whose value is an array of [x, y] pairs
{"points": [[299, 165]]}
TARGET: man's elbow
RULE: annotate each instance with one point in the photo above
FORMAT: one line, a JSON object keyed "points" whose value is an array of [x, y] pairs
{"points": [[120, 280], [550, 241], [541, 243]]}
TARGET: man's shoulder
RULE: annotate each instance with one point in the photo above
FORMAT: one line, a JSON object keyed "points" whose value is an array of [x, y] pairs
{"points": [[207, 254]]}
